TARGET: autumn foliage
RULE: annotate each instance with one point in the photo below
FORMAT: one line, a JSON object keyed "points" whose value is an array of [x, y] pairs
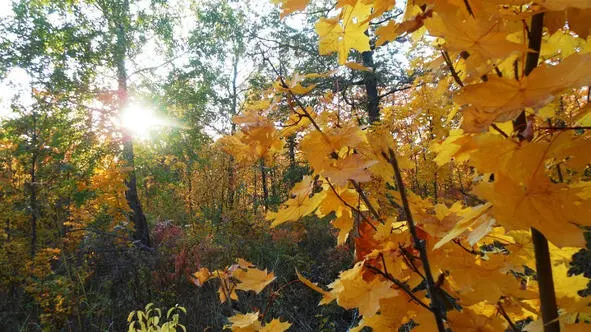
{"points": [[515, 122], [448, 192]]}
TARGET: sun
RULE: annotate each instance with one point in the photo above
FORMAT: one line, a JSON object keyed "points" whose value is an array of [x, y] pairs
{"points": [[140, 120]]}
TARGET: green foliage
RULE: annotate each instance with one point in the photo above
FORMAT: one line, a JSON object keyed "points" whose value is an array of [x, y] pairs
{"points": [[150, 319]]}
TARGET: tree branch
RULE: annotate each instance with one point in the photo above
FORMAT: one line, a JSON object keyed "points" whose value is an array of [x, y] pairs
{"points": [[453, 71], [419, 244]]}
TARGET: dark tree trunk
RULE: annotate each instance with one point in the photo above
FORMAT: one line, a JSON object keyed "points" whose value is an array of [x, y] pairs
{"points": [[189, 174], [234, 111], [255, 194], [273, 182], [371, 88], [291, 150], [264, 185], [33, 204], [435, 188], [141, 231]]}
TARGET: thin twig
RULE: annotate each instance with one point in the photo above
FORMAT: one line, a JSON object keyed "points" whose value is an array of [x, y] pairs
{"points": [[408, 259], [450, 65], [468, 8], [472, 196], [349, 205], [371, 208], [404, 88], [400, 285], [274, 295], [567, 128], [169, 61], [468, 250], [495, 127], [507, 318], [293, 96]]}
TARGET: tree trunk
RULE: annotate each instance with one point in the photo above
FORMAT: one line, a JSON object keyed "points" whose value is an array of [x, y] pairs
{"points": [[7, 230], [371, 88], [254, 192], [141, 231], [291, 148], [234, 111], [189, 174], [33, 204], [264, 185]]}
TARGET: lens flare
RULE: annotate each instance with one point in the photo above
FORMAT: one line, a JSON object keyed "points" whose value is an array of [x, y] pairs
{"points": [[141, 121]]}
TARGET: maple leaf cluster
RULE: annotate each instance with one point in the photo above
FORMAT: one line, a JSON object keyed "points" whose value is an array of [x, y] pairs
{"points": [[243, 276], [458, 265]]}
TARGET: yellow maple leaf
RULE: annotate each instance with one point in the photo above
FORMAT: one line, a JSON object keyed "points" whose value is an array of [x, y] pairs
{"points": [[245, 322], [337, 202], [481, 38], [320, 148], [201, 276], [566, 289], [552, 208], [521, 248], [353, 167], [392, 30], [352, 291], [296, 122], [258, 138], [357, 66], [291, 6], [451, 147], [472, 218], [294, 85], [252, 279], [295, 208], [480, 317], [275, 326], [560, 43], [344, 224], [327, 297], [505, 98], [379, 7], [390, 317], [345, 32]]}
